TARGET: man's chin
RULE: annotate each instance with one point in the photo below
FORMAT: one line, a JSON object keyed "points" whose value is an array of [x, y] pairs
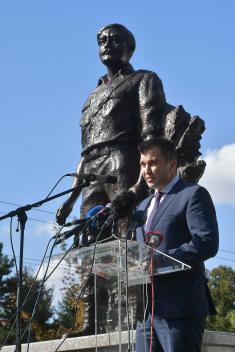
{"points": [[151, 185]]}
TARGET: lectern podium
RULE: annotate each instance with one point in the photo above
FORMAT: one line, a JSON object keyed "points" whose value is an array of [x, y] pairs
{"points": [[120, 271]]}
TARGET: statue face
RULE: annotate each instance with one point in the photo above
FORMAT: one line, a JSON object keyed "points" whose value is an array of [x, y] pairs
{"points": [[113, 48]]}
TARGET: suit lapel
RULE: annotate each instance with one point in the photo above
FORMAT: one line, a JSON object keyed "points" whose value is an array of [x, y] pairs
{"points": [[168, 199], [140, 237]]}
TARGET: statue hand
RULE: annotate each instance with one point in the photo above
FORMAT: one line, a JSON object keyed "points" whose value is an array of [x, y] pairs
{"points": [[63, 212]]}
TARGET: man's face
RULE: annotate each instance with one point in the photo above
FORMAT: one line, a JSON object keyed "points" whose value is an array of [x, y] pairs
{"points": [[113, 48], [156, 170]]}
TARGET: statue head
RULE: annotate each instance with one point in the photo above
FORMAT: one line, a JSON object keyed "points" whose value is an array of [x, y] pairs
{"points": [[116, 44]]}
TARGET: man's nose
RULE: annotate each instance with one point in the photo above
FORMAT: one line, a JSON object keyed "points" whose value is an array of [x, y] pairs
{"points": [[147, 169]]}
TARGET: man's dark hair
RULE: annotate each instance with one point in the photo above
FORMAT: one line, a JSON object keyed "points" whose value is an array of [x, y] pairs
{"points": [[166, 147], [129, 37]]}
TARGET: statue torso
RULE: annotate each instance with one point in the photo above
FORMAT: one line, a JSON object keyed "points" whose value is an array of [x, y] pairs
{"points": [[112, 113]]}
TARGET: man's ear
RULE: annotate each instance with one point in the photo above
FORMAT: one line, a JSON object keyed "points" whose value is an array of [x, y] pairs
{"points": [[173, 164]]}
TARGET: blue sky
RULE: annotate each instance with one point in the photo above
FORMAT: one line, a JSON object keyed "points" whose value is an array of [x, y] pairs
{"points": [[48, 66]]}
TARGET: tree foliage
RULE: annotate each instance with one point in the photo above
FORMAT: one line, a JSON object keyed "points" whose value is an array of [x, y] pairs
{"points": [[42, 327], [71, 310], [222, 287], [5, 264]]}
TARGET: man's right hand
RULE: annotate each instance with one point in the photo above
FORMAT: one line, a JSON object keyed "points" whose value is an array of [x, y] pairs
{"points": [[63, 212]]}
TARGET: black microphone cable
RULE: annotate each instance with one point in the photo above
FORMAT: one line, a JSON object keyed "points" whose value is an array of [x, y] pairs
{"points": [[85, 284], [27, 297], [45, 278], [39, 288], [30, 293], [138, 219], [14, 257], [15, 262], [29, 325], [56, 266], [56, 185]]}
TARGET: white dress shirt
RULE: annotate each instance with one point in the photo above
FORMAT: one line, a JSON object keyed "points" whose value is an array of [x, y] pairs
{"points": [[152, 206]]}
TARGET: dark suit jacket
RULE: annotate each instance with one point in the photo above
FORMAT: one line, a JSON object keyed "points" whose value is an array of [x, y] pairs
{"points": [[186, 218]]}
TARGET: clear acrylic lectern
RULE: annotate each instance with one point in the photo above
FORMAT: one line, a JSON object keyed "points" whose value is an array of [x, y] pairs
{"points": [[119, 269]]}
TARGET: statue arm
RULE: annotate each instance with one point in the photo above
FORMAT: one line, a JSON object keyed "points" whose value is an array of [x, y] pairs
{"points": [[66, 208], [152, 103]]}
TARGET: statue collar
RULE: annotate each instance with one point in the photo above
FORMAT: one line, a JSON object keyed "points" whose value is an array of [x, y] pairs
{"points": [[128, 69]]}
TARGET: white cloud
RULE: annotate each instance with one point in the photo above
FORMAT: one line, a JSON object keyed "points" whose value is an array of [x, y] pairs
{"points": [[64, 275], [55, 281], [43, 229], [219, 176]]}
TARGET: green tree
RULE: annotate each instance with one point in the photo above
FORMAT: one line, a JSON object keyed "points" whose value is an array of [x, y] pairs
{"points": [[42, 325], [71, 311], [222, 287], [6, 265]]}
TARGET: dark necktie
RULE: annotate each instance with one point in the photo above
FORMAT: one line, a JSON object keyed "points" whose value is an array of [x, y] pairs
{"points": [[149, 223]]}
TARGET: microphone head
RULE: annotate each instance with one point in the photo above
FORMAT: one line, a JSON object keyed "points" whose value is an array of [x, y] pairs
{"points": [[123, 204], [154, 239], [94, 210], [99, 178], [92, 214], [95, 218]]}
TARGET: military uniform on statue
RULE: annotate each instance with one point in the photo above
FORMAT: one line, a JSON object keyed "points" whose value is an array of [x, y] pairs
{"points": [[111, 129], [126, 107]]}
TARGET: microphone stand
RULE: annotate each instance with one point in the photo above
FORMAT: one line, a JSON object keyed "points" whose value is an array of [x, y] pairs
{"points": [[22, 218]]}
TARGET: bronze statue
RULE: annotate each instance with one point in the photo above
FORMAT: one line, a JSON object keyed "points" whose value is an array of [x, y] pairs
{"points": [[126, 108]]}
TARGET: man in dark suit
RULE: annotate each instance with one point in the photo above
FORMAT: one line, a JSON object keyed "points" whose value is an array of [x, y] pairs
{"points": [[186, 217]]}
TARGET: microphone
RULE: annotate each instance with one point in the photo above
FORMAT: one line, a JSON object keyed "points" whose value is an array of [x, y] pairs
{"points": [[97, 216], [154, 239], [138, 219], [108, 209], [63, 236], [94, 177], [96, 212], [120, 207], [74, 222], [123, 204], [103, 211], [91, 212]]}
